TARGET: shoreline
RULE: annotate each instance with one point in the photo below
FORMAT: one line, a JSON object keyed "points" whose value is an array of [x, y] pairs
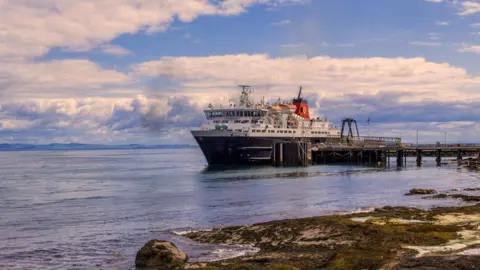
{"points": [[446, 237], [386, 238]]}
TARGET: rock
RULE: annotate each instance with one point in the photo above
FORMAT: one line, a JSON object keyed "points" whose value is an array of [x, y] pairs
{"points": [[420, 191], [466, 198], [160, 253], [441, 262]]}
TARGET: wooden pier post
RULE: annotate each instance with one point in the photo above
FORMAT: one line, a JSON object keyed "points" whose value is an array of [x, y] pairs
{"points": [[400, 158], [459, 154], [439, 157], [419, 157], [388, 158], [274, 154]]}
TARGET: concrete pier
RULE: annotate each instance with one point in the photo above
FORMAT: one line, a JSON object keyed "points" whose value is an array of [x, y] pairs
{"points": [[303, 153]]}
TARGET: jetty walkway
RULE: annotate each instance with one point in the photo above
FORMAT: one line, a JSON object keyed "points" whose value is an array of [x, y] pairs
{"points": [[365, 150]]}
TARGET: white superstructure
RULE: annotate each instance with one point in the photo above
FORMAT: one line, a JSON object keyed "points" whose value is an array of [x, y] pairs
{"points": [[262, 120]]}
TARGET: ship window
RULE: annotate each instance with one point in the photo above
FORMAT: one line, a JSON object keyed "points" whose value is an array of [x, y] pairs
{"points": [[216, 121], [245, 121], [237, 121], [231, 113], [238, 113], [225, 121], [263, 131]]}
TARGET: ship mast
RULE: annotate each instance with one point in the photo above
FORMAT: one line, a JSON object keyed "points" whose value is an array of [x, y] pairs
{"points": [[244, 102]]}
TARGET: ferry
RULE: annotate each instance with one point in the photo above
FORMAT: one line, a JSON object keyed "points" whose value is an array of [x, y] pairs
{"points": [[245, 133]]}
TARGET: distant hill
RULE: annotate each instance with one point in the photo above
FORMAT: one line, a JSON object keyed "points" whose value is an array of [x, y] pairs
{"points": [[79, 146]]}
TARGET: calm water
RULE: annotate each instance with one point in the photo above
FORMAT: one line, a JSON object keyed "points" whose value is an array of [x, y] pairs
{"points": [[94, 209]]}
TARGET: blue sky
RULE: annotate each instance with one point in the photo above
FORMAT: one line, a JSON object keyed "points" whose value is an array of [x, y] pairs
{"points": [[107, 71]]}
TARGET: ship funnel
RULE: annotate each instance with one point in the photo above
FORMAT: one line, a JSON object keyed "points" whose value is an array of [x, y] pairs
{"points": [[301, 105]]}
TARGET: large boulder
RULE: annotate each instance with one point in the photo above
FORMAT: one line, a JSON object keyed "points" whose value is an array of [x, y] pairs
{"points": [[160, 253]]}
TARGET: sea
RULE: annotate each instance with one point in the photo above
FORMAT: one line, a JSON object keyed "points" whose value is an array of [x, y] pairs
{"points": [[95, 209]]}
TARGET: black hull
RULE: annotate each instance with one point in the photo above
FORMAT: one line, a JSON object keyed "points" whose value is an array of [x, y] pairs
{"points": [[238, 150]]}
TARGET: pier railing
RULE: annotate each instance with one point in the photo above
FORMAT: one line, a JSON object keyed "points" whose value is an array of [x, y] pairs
{"points": [[368, 139], [442, 145]]}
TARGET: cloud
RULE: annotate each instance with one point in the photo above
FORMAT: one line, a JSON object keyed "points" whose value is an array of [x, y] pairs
{"points": [[31, 28], [168, 119], [281, 23], [435, 1], [56, 77], [469, 8], [475, 25], [470, 49], [439, 23], [295, 45], [424, 43], [330, 76], [346, 45], [97, 120], [434, 36], [114, 50]]}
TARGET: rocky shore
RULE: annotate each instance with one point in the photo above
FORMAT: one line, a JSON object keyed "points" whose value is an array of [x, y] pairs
{"points": [[385, 238]]}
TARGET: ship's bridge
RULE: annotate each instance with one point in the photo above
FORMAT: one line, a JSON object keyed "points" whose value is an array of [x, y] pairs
{"points": [[234, 113]]}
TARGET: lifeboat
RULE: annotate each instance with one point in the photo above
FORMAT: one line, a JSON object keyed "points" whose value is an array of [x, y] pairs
{"points": [[274, 108], [292, 108]]}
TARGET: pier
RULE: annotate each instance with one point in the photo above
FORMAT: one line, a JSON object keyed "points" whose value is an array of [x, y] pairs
{"points": [[365, 151]]}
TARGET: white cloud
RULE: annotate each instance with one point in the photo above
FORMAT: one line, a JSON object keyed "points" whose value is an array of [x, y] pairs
{"points": [[435, 1], [333, 77], [475, 25], [114, 50], [346, 45], [97, 120], [423, 43], [31, 28], [469, 8], [295, 45], [57, 77], [470, 49], [440, 23], [281, 23], [434, 36]]}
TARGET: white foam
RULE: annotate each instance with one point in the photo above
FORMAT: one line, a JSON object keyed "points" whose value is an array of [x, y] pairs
{"points": [[182, 233], [224, 252], [357, 211]]}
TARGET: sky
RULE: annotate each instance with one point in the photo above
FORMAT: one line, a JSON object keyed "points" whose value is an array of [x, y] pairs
{"points": [[142, 71]]}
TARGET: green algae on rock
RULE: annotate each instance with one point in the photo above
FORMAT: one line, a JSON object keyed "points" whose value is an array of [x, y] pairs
{"points": [[381, 239]]}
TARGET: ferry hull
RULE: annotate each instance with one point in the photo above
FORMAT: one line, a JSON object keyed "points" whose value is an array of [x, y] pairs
{"points": [[235, 150], [238, 149]]}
